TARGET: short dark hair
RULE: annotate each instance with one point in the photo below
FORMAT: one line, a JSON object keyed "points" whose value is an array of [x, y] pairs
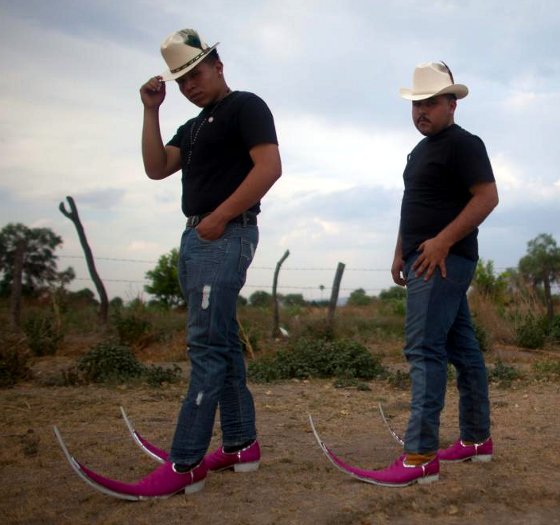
{"points": [[213, 56]]}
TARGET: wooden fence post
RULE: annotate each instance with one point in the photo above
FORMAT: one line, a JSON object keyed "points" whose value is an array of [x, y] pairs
{"points": [[15, 297], [276, 316], [75, 218], [334, 294]]}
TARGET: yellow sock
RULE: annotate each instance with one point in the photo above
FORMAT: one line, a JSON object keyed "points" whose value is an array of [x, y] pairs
{"points": [[418, 459]]}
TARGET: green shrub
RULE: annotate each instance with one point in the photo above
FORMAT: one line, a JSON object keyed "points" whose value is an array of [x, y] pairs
{"points": [[554, 330], [107, 362], [532, 332], [43, 333], [157, 375], [503, 374], [547, 369], [113, 363], [482, 336], [131, 325], [322, 358], [13, 359]]}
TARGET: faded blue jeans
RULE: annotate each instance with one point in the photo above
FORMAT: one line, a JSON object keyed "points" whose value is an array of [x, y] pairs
{"points": [[211, 274], [439, 330]]}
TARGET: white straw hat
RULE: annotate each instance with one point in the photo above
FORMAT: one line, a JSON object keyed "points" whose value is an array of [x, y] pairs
{"points": [[431, 79], [183, 51]]}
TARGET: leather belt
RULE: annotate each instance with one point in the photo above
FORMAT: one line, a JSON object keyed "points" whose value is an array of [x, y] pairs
{"points": [[246, 218]]}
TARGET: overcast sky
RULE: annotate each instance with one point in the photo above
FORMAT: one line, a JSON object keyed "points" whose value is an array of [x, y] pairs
{"points": [[330, 71]]}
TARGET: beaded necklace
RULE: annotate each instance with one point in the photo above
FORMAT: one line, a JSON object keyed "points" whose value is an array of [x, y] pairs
{"points": [[209, 119]]}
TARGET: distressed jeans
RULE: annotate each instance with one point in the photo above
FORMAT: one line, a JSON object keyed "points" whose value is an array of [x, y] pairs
{"points": [[439, 330], [211, 274]]}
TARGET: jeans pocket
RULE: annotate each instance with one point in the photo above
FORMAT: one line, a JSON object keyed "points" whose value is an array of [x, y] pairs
{"points": [[246, 254]]}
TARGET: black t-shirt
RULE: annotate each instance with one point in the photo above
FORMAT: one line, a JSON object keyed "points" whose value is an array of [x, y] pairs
{"points": [[439, 172], [215, 149]]}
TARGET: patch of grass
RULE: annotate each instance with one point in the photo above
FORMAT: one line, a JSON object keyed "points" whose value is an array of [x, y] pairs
{"points": [[399, 380], [547, 369]]}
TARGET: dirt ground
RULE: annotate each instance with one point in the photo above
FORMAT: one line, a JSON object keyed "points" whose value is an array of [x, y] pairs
{"points": [[295, 484]]}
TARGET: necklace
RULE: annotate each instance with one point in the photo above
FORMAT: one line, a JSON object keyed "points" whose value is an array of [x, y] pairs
{"points": [[210, 118]]}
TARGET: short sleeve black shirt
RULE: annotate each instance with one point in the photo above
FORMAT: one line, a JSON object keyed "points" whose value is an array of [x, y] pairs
{"points": [[439, 172], [215, 149]]}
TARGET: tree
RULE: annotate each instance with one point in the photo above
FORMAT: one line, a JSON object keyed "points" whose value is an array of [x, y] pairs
{"points": [[39, 269], [294, 299], [358, 298], [488, 284], [261, 299], [392, 293], [164, 280], [84, 296], [541, 266]]}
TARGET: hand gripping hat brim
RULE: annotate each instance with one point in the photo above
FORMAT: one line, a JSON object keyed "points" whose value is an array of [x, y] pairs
{"points": [[432, 79], [183, 51]]}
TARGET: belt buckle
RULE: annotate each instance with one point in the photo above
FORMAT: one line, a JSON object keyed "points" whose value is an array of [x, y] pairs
{"points": [[193, 221]]}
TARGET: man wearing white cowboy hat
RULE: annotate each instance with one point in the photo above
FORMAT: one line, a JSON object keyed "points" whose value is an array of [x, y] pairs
{"points": [[449, 189], [229, 159]]}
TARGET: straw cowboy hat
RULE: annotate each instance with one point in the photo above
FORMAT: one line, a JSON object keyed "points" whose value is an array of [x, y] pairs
{"points": [[183, 51], [431, 79]]}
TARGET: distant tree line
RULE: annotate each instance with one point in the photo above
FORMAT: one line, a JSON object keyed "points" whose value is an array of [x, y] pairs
{"points": [[538, 270]]}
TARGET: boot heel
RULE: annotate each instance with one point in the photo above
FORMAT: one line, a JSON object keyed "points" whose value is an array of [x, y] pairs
{"points": [[195, 487], [482, 458], [246, 467], [428, 479]]}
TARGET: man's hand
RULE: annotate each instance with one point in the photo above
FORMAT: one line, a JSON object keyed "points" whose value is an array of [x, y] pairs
{"points": [[152, 93], [211, 227], [397, 271], [433, 253]]}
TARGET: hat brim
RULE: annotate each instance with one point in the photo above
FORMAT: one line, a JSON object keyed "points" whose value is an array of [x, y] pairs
{"points": [[168, 75], [459, 90]]}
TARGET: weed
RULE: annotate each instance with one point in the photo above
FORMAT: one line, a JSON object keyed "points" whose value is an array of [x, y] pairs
{"points": [[132, 326], [399, 379], [547, 369], [13, 359], [503, 374], [481, 335], [43, 332]]}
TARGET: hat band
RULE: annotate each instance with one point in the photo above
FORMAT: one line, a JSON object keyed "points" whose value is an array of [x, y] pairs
{"points": [[190, 62]]}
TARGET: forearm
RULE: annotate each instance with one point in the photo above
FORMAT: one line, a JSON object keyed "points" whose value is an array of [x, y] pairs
{"points": [[470, 218], [153, 150], [255, 186], [398, 246]]}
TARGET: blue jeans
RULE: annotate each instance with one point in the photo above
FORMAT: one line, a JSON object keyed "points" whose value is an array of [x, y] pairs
{"points": [[211, 274], [439, 330]]}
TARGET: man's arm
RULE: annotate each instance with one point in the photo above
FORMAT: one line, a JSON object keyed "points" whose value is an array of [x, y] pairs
{"points": [[397, 267], [159, 161], [267, 168], [434, 251]]}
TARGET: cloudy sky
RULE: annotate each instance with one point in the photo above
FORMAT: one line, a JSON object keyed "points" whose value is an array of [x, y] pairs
{"points": [[330, 70]]}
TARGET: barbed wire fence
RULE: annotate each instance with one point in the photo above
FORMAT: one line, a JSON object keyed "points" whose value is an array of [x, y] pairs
{"points": [[253, 286]]}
